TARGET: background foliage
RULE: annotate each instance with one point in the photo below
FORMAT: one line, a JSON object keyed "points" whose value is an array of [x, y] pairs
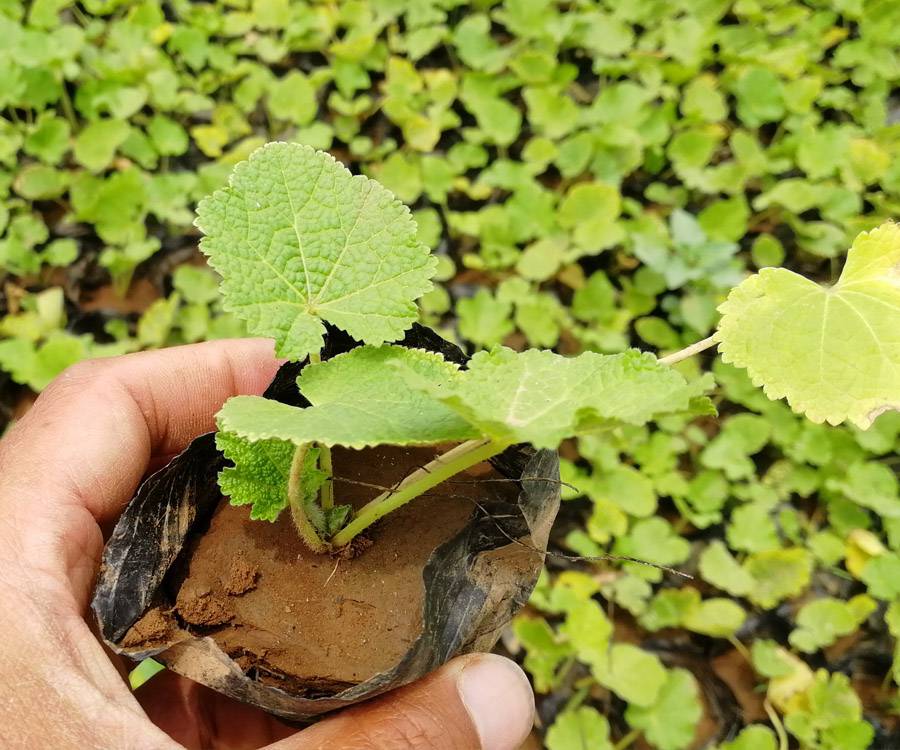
{"points": [[594, 175]]}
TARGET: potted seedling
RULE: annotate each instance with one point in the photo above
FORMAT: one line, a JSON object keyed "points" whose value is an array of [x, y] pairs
{"points": [[386, 505]]}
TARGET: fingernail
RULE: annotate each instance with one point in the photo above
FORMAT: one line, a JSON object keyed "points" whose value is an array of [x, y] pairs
{"points": [[499, 700]]}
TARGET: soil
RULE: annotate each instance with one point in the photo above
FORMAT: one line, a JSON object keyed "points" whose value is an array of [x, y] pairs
{"points": [[316, 624]]}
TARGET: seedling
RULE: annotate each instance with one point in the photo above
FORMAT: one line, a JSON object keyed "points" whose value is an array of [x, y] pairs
{"points": [[299, 242]]}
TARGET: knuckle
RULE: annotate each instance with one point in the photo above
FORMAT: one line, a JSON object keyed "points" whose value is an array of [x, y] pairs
{"points": [[89, 375], [86, 370]]}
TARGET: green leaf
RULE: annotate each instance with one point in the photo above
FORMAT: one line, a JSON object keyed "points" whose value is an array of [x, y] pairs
{"points": [[196, 285], [671, 721], [49, 140], [36, 365], [821, 622], [830, 716], [872, 485], [298, 240], [778, 574], [754, 737], [60, 252], [741, 436], [543, 650], [484, 319], [259, 478], [156, 323], [669, 607], [96, 144], [760, 96], [579, 729], [833, 353], [635, 675], [771, 660], [358, 400], [654, 540], [40, 182], [703, 100], [260, 473], [715, 617], [588, 629], [752, 528], [882, 575], [590, 210], [168, 137], [626, 487], [293, 98], [718, 567], [542, 398]]}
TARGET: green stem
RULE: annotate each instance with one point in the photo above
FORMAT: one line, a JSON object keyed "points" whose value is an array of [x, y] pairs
{"points": [[627, 740], [304, 526], [741, 649], [68, 109], [327, 493], [432, 474], [783, 742], [689, 351]]}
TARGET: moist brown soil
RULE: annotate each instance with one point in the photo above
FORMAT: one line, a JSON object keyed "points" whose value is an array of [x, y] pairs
{"points": [[315, 623]]}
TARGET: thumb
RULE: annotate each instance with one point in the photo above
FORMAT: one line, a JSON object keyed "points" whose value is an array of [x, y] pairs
{"points": [[475, 702]]}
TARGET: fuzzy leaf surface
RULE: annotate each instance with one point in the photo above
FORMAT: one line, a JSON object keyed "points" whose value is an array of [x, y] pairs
{"points": [[541, 398], [358, 400], [298, 240], [260, 473], [832, 352]]}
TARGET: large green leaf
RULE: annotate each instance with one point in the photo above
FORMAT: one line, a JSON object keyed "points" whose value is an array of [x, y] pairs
{"points": [[541, 398], [358, 400], [832, 352], [391, 395], [298, 240]]}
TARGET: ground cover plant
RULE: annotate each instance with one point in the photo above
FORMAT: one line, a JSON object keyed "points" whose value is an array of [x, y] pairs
{"points": [[591, 176]]}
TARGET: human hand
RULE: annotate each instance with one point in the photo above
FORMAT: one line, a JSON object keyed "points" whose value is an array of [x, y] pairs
{"points": [[66, 471]]}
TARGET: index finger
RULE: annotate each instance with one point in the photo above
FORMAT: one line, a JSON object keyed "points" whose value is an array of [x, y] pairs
{"points": [[89, 437]]}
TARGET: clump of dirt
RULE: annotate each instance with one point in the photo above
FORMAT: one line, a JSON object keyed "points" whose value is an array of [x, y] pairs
{"points": [[152, 628], [241, 578], [197, 604], [318, 623]]}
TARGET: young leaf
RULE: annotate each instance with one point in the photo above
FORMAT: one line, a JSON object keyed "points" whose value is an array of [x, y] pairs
{"points": [[260, 473], [632, 673], [544, 651], [358, 400], [542, 398], [832, 352], [671, 721], [821, 622], [576, 729], [298, 240]]}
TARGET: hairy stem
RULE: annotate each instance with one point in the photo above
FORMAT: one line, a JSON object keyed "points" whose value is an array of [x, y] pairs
{"points": [[432, 474], [304, 526], [689, 351], [326, 494]]}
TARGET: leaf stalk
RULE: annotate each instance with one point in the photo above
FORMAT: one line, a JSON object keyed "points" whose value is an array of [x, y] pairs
{"points": [[418, 482], [689, 351], [304, 526], [326, 494]]}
